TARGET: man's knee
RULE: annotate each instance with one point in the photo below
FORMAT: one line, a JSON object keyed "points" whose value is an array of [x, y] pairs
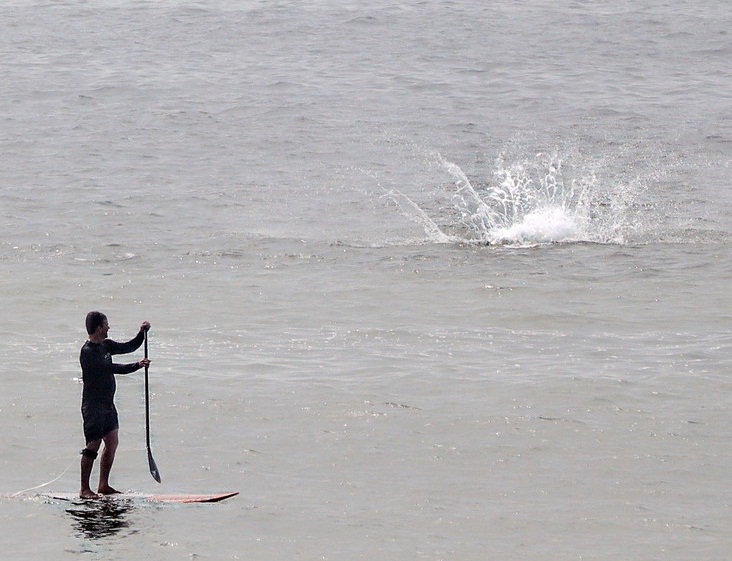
{"points": [[91, 450], [90, 454], [111, 440]]}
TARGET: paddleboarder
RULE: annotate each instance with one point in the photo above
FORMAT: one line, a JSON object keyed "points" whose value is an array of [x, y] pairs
{"points": [[97, 403]]}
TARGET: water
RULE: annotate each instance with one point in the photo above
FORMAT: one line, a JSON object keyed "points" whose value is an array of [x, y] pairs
{"points": [[427, 280]]}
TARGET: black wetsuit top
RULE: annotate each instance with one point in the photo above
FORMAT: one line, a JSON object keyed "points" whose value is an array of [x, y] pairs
{"points": [[97, 372]]}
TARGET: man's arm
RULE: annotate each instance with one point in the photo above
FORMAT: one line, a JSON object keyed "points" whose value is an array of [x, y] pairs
{"points": [[130, 346], [128, 368]]}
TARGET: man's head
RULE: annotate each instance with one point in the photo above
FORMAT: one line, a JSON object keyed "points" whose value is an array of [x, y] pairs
{"points": [[95, 320]]}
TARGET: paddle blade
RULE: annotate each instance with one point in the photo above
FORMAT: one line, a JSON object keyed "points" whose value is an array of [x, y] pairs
{"points": [[153, 467]]}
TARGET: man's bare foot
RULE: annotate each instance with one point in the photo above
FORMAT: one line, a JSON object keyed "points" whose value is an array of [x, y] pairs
{"points": [[88, 494], [108, 491]]}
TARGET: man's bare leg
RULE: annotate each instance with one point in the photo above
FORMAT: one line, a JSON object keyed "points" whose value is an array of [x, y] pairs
{"points": [[88, 455], [111, 440]]}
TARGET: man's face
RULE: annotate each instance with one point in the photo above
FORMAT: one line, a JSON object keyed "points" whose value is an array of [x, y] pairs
{"points": [[103, 329]]}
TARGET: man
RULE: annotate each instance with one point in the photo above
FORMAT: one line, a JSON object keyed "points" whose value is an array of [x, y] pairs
{"points": [[97, 403]]}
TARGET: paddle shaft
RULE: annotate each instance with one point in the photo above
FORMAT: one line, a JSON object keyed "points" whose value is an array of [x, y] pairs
{"points": [[147, 402], [153, 467]]}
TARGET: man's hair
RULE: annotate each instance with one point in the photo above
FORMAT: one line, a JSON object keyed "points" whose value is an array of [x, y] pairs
{"points": [[94, 320]]}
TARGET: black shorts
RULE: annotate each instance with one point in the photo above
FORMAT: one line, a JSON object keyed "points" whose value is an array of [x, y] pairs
{"points": [[99, 421]]}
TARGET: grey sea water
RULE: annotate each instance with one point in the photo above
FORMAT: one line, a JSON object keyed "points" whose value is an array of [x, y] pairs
{"points": [[427, 280]]}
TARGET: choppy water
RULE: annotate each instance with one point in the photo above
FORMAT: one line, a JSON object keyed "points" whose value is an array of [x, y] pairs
{"points": [[428, 280]]}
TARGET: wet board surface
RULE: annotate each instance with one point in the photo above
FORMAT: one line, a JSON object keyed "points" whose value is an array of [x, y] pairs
{"points": [[148, 497]]}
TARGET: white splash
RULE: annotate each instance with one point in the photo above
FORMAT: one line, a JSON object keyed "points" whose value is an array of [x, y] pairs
{"points": [[545, 225], [527, 203], [534, 201], [412, 211]]}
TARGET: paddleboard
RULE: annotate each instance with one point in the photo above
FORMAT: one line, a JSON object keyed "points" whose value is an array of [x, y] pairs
{"points": [[149, 497]]}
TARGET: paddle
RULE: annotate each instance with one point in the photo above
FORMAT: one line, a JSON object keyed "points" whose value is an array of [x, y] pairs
{"points": [[150, 460]]}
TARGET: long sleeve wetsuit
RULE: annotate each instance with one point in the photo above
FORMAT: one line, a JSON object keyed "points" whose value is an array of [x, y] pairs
{"points": [[97, 372]]}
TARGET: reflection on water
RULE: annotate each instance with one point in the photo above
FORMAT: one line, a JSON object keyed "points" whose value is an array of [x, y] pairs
{"points": [[100, 519]]}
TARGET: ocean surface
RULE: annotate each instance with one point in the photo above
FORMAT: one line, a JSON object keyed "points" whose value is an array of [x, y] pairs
{"points": [[428, 280]]}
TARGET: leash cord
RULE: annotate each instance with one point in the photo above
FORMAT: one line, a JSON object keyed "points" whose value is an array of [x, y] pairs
{"points": [[45, 484]]}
